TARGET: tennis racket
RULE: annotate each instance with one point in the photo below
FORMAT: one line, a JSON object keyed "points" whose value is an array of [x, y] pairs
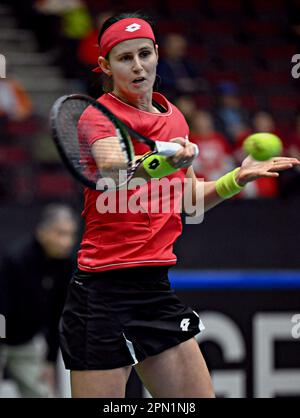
{"points": [[113, 157]]}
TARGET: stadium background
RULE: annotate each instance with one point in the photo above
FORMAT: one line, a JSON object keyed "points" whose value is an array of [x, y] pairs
{"points": [[240, 267]]}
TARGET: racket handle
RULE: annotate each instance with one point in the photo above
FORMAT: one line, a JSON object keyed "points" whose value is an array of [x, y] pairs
{"points": [[167, 148], [170, 148]]}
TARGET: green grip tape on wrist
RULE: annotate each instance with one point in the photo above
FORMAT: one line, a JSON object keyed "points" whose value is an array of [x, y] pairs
{"points": [[157, 166], [226, 186]]}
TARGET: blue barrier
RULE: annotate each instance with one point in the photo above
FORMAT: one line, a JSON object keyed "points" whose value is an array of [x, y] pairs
{"points": [[234, 279]]}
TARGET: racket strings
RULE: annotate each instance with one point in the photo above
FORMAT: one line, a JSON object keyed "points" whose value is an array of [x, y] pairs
{"points": [[107, 157], [112, 160]]}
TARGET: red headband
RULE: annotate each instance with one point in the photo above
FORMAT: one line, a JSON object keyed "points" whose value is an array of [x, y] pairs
{"points": [[123, 30]]}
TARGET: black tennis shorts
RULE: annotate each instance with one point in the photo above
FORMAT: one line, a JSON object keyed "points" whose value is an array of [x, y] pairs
{"points": [[118, 318]]}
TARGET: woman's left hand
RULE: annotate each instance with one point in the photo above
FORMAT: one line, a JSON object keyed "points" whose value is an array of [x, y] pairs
{"points": [[251, 169]]}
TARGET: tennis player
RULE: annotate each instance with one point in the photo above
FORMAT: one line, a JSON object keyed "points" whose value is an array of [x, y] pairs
{"points": [[120, 310]]}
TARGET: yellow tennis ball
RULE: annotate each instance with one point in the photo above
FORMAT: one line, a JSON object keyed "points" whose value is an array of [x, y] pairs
{"points": [[262, 146]]}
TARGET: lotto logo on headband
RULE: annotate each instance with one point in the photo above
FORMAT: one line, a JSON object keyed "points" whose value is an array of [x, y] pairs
{"points": [[133, 27]]}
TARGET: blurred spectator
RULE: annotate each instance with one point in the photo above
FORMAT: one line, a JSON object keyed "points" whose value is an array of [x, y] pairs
{"points": [[76, 20], [293, 143], [294, 21], [187, 105], [17, 124], [15, 104], [215, 156], [73, 24], [46, 24], [88, 51], [33, 281], [290, 181], [76, 24], [178, 73], [262, 121], [231, 117]]}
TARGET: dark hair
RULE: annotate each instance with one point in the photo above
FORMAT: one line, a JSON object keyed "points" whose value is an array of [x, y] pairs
{"points": [[107, 82]]}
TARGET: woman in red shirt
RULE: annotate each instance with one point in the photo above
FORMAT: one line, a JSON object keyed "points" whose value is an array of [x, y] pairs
{"points": [[120, 310]]}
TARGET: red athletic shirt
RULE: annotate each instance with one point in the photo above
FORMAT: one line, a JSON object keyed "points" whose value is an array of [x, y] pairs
{"points": [[122, 240]]}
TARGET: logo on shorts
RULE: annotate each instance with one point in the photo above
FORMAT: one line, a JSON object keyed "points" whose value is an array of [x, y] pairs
{"points": [[184, 324], [133, 27]]}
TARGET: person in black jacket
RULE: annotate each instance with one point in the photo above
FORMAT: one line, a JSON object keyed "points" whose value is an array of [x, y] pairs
{"points": [[34, 276]]}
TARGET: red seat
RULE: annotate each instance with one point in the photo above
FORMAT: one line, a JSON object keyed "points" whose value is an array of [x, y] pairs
{"points": [[249, 101], [136, 4], [203, 101], [284, 102], [12, 155], [175, 6], [259, 29], [215, 27], [264, 78], [96, 5], [279, 52], [268, 5], [172, 26], [216, 76], [285, 127], [54, 184], [228, 6], [236, 52], [197, 52]]}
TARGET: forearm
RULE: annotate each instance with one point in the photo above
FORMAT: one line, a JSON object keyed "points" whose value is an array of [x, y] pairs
{"points": [[211, 197], [208, 194], [204, 198]]}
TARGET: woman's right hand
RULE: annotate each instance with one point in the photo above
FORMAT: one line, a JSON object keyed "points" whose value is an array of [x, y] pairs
{"points": [[185, 156]]}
